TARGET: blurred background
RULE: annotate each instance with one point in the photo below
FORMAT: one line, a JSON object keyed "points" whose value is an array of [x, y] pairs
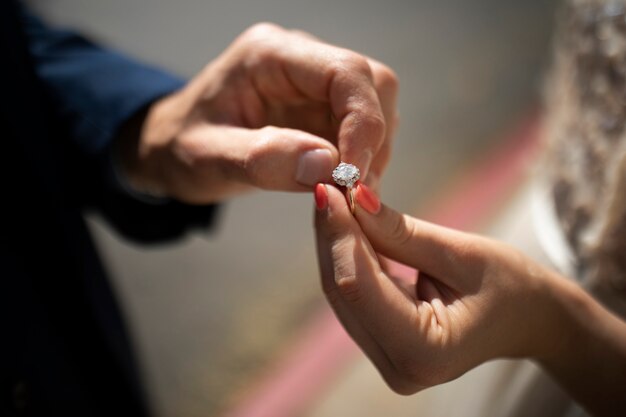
{"points": [[211, 314]]}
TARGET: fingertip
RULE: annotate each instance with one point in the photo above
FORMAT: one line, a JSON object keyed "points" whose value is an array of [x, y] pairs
{"points": [[321, 197], [367, 199], [336, 200], [335, 218]]}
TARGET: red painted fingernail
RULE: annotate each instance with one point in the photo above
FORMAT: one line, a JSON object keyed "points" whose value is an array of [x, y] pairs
{"points": [[367, 199], [321, 197]]}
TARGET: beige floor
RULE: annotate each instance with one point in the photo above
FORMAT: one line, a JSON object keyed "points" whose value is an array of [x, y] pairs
{"points": [[208, 314]]}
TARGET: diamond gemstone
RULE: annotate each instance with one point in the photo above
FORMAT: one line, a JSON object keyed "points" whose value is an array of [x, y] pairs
{"points": [[346, 174]]}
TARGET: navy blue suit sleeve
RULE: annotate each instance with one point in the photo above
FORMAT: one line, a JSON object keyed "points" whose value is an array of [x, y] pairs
{"points": [[94, 92]]}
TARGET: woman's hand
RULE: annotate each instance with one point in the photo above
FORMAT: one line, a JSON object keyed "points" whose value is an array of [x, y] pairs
{"points": [[466, 305], [277, 110], [473, 300]]}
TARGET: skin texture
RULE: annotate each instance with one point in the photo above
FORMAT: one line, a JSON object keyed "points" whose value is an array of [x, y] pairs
{"points": [[247, 118], [474, 299]]}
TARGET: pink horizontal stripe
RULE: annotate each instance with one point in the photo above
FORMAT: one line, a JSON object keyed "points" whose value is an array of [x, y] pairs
{"points": [[323, 349], [484, 185], [318, 354]]}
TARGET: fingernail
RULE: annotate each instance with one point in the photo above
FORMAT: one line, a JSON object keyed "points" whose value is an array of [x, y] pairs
{"points": [[314, 166], [321, 197], [367, 199]]}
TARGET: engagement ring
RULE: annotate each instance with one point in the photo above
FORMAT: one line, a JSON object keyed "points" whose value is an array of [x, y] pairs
{"points": [[347, 175]]}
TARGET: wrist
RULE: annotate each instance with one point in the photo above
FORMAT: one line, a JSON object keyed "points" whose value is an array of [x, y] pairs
{"points": [[141, 151], [558, 327], [577, 323], [587, 355]]}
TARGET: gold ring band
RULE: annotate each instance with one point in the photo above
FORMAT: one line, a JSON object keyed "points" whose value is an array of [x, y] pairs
{"points": [[351, 199]]}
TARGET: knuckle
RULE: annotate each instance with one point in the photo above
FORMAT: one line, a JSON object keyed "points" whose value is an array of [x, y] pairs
{"points": [[262, 30], [190, 152], [402, 230], [259, 43], [348, 287], [350, 62], [359, 63], [258, 153], [344, 284], [374, 123], [331, 293], [386, 78], [269, 133]]}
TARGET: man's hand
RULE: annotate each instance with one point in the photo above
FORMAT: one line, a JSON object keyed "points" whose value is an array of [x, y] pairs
{"points": [[277, 110]]}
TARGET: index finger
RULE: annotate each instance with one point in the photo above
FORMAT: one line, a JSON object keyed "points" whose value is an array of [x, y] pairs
{"points": [[350, 268], [344, 79]]}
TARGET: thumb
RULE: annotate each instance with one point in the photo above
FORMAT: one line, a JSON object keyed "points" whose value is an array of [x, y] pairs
{"points": [[270, 158], [435, 250], [286, 159]]}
